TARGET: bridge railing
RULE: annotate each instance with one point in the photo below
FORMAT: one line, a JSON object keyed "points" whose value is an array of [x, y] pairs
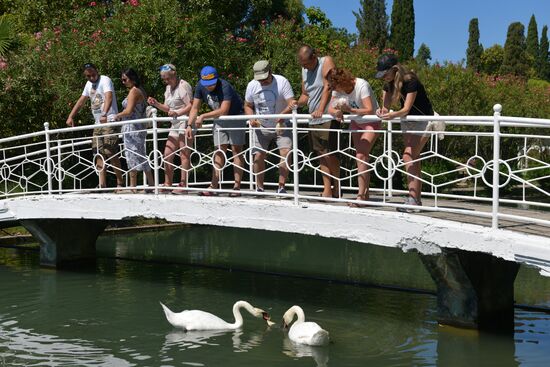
{"points": [[456, 171]]}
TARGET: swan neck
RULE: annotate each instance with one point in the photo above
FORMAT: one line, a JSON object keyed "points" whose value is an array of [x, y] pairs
{"points": [[297, 310], [237, 312]]}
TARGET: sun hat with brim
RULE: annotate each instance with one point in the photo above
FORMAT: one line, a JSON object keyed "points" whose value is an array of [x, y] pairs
{"points": [[209, 76], [384, 64], [261, 70]]}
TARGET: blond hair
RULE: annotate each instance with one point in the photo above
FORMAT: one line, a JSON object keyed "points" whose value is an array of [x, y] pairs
{"points": [[402, 74]]}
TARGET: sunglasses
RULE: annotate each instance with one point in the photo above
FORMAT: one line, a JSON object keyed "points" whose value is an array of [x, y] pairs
{"points": [[167, 67]]}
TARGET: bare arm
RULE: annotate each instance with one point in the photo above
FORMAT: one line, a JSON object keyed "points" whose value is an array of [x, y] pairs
{"points": [[325, 96], [76, 108], [303, 99], [133, 98], [366, 110], [409, 102], [194, 111], [221, 111], [249, 110]]}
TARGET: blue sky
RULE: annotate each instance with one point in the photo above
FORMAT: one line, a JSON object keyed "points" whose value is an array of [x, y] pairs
{"points": [[443, 24]]}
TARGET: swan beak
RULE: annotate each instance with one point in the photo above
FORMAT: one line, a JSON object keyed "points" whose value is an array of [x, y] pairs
{"points": [[266, 316], [284, 325]]}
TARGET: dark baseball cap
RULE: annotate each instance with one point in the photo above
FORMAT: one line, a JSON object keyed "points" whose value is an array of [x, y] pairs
{"points": [[384, 64]]}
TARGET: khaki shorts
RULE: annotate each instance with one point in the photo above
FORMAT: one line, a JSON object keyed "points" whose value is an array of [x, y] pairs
{"points": [[324, 141], [105, 141], [415, 128], [262, 138]]}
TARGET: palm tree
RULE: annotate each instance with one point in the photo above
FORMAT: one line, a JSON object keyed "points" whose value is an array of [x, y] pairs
{"points": [[7, 34]]}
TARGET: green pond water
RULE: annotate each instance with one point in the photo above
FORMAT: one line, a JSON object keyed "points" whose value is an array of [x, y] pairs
{"points": [[109, 314]]}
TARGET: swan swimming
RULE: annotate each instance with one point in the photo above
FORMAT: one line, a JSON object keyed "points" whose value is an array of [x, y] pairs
{"points": [[200, 320], [302, 332]]}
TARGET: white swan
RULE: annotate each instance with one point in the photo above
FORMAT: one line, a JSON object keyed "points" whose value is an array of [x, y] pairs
{"points": [[302, 332], [200, 320]]}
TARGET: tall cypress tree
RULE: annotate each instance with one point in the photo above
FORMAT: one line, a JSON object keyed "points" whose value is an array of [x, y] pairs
{"points": [[424, 55], [395, 27], [533, 40], [402, 28], [475, 49], [515, 57], [372, 23], [543, 61]]}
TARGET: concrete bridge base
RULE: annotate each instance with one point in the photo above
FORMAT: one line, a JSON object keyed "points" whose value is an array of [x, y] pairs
{"points": [[65, 241], [474, 290]]}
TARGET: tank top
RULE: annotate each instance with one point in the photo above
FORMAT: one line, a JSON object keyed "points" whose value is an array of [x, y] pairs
{"points": [[313, 84]]}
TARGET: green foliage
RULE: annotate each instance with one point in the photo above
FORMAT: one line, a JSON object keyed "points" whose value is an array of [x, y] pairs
{"points": [[402, 28], [372, 23], [317, 17], [491, 59], [8, 34], [423, 56], [515, 60], [543, 60], [475, 49], [532, 42]]}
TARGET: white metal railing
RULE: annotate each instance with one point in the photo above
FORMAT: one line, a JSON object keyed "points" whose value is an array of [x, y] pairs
{"points": [[62, 161]]}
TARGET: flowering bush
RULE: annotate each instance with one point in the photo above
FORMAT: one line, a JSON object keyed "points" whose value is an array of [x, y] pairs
{"points": [[42, 79]]}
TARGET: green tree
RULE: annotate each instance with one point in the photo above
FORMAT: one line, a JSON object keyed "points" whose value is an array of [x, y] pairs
{"points": [[515, 57], [491, 59], [317, 17], [424, 55], [543, 61], [532, 42], [402, 28], [372, 23], [475, 49]]}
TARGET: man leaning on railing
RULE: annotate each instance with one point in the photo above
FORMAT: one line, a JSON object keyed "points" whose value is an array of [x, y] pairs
{"points": [[269, 94], [99, 89]]}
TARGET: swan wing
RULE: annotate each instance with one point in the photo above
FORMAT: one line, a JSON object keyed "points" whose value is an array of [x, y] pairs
{"points": [[195, 320], [309, 333]]}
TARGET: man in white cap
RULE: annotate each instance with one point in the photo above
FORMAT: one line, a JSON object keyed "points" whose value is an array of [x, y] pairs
{"points": [[265, 95]]}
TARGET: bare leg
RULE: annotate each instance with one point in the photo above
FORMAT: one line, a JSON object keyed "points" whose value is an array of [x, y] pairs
{"points": [[259, 167], [133, 180], [185, 157], [100, 166], [413, 146], [169, 150], [363, 144], [219, 162], [283, 169], [239, 163]]}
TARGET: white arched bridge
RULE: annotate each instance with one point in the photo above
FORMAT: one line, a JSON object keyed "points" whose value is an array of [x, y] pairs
{"points": [[476, 223]]}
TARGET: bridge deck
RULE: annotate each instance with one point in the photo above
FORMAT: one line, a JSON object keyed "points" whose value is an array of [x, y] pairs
{"points": [[512, 225]]}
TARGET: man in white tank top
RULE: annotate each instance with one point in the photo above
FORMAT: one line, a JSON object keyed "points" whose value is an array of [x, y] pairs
{"points": [[316, 94]]}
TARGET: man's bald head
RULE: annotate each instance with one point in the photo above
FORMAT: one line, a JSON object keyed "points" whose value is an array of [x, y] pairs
{"points": [[307, 56]]}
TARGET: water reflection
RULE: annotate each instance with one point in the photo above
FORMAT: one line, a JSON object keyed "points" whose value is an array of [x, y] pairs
{"points": [[458, 347], [21, 347], [293, 350]]}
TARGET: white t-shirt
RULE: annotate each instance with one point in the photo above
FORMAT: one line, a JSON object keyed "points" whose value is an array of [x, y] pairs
{"points": [[178, 97], [269, 99], [96, 92], [355, 98]]}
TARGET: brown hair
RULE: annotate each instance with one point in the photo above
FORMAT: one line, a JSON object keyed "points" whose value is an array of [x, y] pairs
{"points": [[401, 74], [338, 77]]}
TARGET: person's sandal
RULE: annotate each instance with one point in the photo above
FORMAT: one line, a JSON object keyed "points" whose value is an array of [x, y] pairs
{"points": [[358, 205], [180, 191], [235, 194], [208, 193]]}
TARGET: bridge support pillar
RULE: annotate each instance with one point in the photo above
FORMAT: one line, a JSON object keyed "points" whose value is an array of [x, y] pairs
{"points": [[474, 290], [65, 241]]}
